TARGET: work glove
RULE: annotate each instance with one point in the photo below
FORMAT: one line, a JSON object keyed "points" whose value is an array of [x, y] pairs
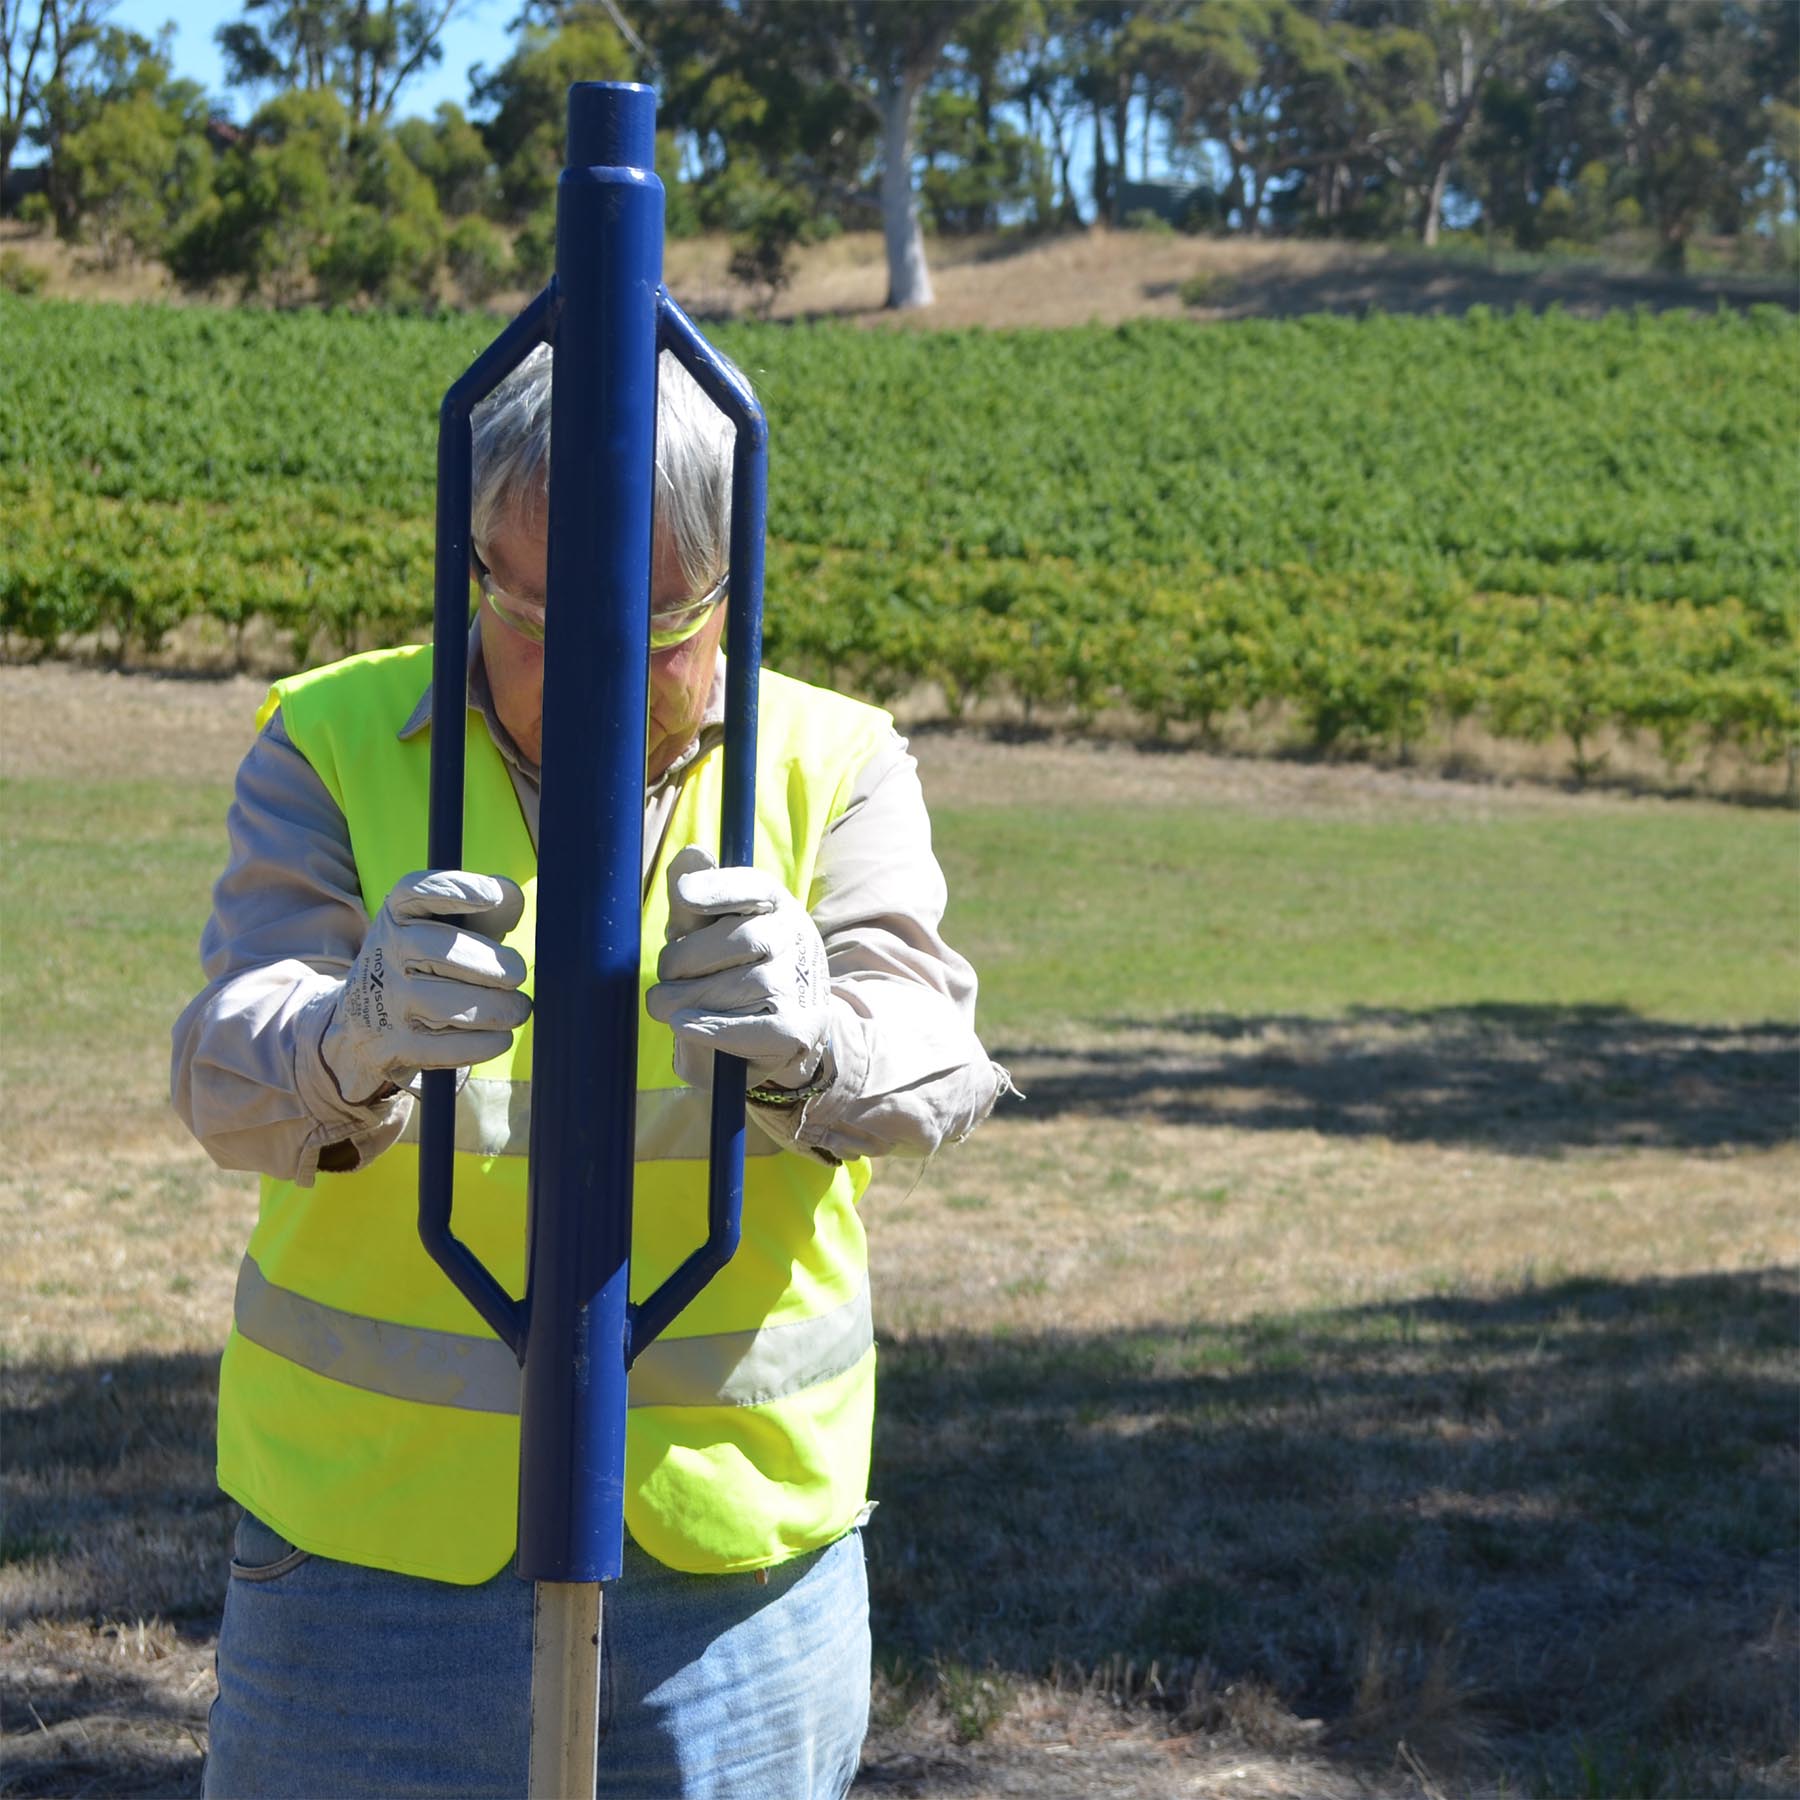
{"points": [[432, 987], [743, 970]]}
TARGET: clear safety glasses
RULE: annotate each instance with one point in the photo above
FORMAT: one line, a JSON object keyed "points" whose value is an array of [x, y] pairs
{"points": [[669, 626]]}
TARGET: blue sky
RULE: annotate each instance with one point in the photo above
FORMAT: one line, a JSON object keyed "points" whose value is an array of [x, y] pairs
{"points": [[477, 34]]}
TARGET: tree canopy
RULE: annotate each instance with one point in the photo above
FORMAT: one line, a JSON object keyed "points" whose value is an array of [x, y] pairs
{"points": [[1544, 122]]}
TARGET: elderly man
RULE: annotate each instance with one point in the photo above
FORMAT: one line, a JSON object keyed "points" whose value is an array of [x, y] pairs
{"points": [[375, 1640]]}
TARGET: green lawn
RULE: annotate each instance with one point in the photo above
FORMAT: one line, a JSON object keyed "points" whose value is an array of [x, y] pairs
{"points": [[1075, 917], [1156, 913], [104, 889]]}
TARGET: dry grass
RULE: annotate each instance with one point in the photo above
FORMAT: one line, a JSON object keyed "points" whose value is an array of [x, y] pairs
{"points": [[71, 272], [1096, 276], [1106, 277], [1483, 1458], [1394, 1405]]}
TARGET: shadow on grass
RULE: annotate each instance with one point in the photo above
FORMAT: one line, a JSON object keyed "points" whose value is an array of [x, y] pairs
{"points": [[1526, 1079], [111, 1516], [1399, 283], [1506, 1528], [1518, 1522]]}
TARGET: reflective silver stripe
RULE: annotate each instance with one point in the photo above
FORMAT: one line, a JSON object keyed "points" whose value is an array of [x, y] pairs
{"points": [[751, 1368], [478, 1374], [493, 1118], [439, 1368]]}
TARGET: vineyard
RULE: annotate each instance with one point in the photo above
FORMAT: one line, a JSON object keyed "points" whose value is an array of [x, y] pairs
{"points": [[1557, 528]]}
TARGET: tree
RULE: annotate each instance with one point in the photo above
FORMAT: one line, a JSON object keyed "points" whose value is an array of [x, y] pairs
{"points": [[363, 52], [1645, 110], [970, 172], [1468, 41], [1345, 116], [45, 45], [1263, 81], [1363, 116], [453, 156], [135, 164], [1104, 79], [272, 201], [845, 57], [478, 256], [1691, 86], [797, 85], [529, 95], [899, 50], [775, 143], [386, 243], [850, 65], [992, 163], [304, 208], [1048, 88]]}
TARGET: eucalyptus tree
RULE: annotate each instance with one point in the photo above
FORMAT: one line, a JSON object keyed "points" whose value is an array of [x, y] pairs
{"points": [[821, 92], [363, 52], [1694, 92], [1469, 39], [44, 47], [133, 163], [889, 53], [1048, 90], [526, 100]]}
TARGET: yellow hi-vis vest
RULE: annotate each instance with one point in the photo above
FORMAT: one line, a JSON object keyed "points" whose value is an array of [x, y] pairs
{"points": [[366, 1411]]}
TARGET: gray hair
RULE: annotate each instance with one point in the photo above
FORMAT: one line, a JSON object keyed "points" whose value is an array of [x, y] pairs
{"points": [[694, 440]]}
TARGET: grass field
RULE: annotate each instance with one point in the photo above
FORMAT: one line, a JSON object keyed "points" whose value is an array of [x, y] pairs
{"points": [[1365, 1365]]}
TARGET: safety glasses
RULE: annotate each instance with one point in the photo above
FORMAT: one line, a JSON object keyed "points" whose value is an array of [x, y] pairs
{"points": [[669, 625]]}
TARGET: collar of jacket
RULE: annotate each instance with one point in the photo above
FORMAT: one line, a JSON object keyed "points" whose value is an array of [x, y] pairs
{"points": [[481, 698]]}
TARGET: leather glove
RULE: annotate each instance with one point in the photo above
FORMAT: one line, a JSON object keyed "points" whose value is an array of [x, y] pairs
{"points": [[744, 971], [432, 987]]}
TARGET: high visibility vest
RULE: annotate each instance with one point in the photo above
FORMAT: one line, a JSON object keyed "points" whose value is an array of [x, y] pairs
{"points": [[366, 1411]]}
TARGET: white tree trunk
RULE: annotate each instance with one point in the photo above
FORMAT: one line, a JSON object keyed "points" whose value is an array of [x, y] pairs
{"points": [[1434, 204], [909, 281]]}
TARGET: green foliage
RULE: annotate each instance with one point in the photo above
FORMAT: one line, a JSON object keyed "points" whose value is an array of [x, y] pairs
{"points": [[1557, 527], [273, 202], [306, 208], [359, 53], [763, 92], [17, 276], [768, 222], [534, 249], [1209, 287], [529, 94], [386, 244], [681, 212], [139, 168], [478, 258], [452, 155], [975, 164], [1153, 224]]}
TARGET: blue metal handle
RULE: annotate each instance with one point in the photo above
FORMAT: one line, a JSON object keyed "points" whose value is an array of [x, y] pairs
{"points": [[449, 701], [677, 333]]}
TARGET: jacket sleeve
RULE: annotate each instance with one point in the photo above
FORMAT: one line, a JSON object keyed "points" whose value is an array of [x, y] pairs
{"points": [[907, 1070], [246, 1076]]}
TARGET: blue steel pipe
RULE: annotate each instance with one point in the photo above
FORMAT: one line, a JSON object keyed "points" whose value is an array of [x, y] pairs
{"points": [[728, 391], [575, 1332], [609, 229], [449, 690]]}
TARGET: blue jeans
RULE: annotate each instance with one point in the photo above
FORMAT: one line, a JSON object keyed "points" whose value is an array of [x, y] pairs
{"points": [[339, 1680]]}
